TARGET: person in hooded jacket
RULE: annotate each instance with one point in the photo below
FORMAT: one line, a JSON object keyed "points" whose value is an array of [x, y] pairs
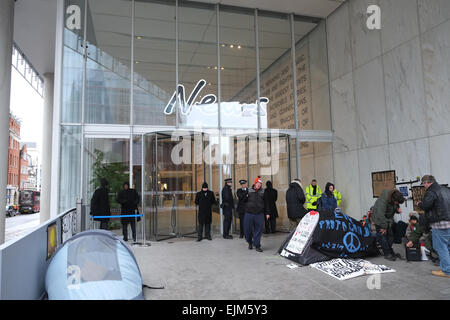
{"points": [[295, 199], [128, 199], [327, 201], [205, 200], [270, 197], [100, 204]]}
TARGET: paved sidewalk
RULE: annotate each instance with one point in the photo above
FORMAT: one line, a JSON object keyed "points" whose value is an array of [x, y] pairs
{"points": [[225, 269]]}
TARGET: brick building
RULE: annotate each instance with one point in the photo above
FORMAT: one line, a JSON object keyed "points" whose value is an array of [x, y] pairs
{"points": [[12, 192]]}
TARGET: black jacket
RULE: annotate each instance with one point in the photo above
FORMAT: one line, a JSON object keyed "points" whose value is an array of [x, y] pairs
{"points": [[295, 199], [227, 198], [256, 202], [436, 203], [271, 196], [242, 197], [205, 201], [100, 204], [128, 200]]}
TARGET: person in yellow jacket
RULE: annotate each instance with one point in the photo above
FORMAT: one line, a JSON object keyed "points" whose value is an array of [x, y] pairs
{"points": [[338, 197], [312, 194]]}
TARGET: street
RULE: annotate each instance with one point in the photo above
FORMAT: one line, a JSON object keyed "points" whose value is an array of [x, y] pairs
{"points": [[20, 224]]}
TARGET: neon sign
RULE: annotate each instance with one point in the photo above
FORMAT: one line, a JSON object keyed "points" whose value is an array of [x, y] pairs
{"points": [[210, 99]]}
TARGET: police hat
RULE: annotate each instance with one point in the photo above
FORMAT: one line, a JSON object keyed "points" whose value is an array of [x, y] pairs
{"points": [[228, 180], [242, 181]]}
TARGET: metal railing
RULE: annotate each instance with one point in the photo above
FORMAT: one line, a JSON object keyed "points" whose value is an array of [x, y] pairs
{"points": [[24, 261]]}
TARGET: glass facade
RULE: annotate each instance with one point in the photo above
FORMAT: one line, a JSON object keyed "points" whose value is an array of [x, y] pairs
{"points": [[247, 81]]}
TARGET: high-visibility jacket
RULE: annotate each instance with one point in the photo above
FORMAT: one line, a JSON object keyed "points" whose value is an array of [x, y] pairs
{"points": [[310, 198], [338, 197]]}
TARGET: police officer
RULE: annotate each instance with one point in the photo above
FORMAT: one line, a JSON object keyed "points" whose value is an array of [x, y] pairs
{"points": [[242, 195], [227, 206]]}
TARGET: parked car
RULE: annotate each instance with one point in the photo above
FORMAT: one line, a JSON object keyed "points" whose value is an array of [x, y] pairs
{"points": [[11, 211]]}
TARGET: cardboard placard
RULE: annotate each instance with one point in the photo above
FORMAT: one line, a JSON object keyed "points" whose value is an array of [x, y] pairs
{"points": [[381, 181], [418, 192]]}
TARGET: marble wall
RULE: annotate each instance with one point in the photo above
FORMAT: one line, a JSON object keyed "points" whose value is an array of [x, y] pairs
{"points": [[390, 96]]}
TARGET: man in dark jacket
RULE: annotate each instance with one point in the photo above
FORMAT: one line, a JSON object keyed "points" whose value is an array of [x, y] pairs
{"points": [[205, 200], [254, 215], [242, 195], [227, 206], [295, 199], [436, 204], [100, 204], [271, 196], [128, 200], [384, 209]]}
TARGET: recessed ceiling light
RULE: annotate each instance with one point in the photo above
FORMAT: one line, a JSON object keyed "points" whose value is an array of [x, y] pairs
{"points": [[239, 47], [222, 68], [232, 46], [215, 68], [137, 62], [209, 83]]}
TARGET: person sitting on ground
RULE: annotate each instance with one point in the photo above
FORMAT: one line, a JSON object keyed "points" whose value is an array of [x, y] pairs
{"points": [[327, 201]]}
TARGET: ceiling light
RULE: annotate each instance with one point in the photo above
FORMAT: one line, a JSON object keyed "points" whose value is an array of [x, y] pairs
{"points": [[223, 44], [231, 46], [137, 62], [222, 68], [215, 68], [239, 47], [209, 83], [139, 37]]}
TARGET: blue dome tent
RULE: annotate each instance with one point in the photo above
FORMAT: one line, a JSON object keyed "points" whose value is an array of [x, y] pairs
{"points": [[94, 265]]}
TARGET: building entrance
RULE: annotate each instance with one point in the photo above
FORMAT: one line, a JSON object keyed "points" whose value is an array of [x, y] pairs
{"points": [[176, 163]]}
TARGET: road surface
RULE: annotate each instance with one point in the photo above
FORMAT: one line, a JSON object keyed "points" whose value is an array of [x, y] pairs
{"points": [[20, 225]]}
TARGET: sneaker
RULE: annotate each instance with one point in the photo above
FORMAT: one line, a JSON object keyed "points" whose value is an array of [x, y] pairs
{"points": [[440, 273], [259, 249], [250, 247]]}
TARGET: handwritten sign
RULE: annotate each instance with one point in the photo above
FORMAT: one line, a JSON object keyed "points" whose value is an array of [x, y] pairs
{"points": [[381, 181], [418, 192], [303, 233]]}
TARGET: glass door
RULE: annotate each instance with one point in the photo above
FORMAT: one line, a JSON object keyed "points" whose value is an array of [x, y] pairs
{"points": [[170, 181]]}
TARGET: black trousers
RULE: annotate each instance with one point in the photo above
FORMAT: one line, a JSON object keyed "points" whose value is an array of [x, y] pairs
{"points": [[104, 225], [207, 230], [227, 218], [271, 224], [241, 224], [125, 223]]}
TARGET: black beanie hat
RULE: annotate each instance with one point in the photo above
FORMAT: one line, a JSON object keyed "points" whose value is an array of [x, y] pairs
{"points": [[204, 185]]}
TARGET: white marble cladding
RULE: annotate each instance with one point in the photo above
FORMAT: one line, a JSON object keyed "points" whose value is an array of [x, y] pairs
{"points": [[432, 13], [399, 22], [436, 69], [405, 92], [371, 160], [410, 159], [366, 44], [347, 182], [390, 95], [343, 113], [339, 47], [370, 104], [440, 155]]}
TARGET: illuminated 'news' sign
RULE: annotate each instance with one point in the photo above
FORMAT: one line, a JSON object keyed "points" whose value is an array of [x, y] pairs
{"points": [[185, 106]]}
